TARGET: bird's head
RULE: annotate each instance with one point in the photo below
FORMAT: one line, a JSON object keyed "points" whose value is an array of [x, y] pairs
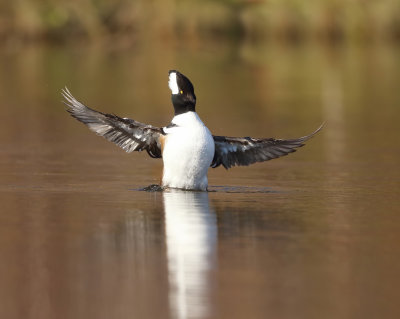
{"points": [[183, 97]]}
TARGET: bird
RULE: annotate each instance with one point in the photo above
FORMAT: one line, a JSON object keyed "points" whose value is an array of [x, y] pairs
{"points": [[186, 145]]}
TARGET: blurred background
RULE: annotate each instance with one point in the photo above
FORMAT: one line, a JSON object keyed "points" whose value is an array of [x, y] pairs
{"points": [[294, 64], [311, 235], [191, 20]]}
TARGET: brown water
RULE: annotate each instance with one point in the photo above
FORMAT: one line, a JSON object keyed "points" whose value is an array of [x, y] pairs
{"points": [[312, 235]]}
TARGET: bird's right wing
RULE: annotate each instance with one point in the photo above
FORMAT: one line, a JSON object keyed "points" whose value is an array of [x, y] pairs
{"points": [[232, 151], [126, 133]]}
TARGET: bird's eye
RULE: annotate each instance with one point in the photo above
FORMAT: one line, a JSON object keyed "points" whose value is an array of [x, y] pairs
{"points": [[181, 92]]}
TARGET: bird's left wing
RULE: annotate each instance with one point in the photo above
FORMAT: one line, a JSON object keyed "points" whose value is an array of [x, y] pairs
{"points": [[232, 151], [126, 133]]}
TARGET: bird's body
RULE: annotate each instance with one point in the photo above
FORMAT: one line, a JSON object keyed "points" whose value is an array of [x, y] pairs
{"points": [[187, 153], [186, 146]]}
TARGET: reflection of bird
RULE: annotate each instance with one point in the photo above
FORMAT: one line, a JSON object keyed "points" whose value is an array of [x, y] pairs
{"points": [[191, 241], [186, 145]]}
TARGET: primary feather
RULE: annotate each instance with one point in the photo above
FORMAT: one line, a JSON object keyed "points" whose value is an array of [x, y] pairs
{"points": [[242, 151], [128, 134]]}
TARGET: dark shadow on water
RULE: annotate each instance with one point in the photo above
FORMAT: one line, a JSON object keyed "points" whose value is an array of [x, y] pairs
{"points": [[242, 189], [150, 188], [218, 189]]}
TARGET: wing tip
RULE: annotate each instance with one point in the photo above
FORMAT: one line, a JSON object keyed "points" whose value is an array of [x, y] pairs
{"points": [[69, 99], [307, 137], [74, 106], [65, 92], [319, 128]]}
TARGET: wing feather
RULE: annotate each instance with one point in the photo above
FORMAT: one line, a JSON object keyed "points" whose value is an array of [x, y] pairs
{"points": [[128, 134], [242, 151]]}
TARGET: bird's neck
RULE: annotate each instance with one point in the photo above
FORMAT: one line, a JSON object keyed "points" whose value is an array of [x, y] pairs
{"points": [[181, 107]]}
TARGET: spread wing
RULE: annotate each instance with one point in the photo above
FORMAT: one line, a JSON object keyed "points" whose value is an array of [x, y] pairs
{"points": [[232, 151], [126, 133]]}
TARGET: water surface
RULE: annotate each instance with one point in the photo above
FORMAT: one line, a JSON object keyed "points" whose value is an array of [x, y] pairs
{"points": [[311, 235]]}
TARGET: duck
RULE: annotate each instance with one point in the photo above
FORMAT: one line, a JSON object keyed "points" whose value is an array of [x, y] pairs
{"points": [[187, 147]]}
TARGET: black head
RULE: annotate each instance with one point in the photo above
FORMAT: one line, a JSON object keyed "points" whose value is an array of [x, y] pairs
{"points": [[183, 97]]}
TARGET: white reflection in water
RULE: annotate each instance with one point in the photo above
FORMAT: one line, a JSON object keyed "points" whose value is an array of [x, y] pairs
{"points": [[191, 231]]}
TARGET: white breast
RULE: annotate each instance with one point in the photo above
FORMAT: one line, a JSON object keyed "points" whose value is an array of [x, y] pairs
{"points": [[187, 154]]}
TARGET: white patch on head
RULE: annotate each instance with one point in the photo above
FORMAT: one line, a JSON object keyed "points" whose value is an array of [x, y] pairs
{"points": [[173, 85]]}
